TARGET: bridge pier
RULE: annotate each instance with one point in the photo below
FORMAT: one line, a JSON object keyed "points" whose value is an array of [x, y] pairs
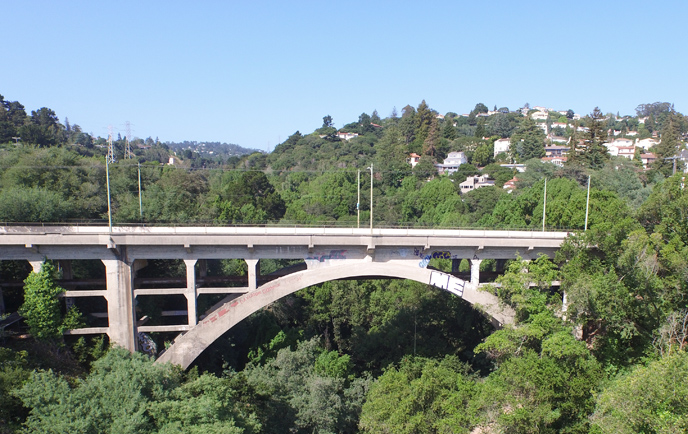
{"points": [[475, 271], [252, 273], [120, 301], [191, 293]]}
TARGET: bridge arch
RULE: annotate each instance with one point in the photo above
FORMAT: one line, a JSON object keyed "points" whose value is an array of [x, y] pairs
{"points": [[187, 347]]}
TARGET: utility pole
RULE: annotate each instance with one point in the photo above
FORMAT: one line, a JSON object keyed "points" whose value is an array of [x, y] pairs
{"points": [[544, 206], [140, 201], [358, 202], [371, 198], [587, 205]]}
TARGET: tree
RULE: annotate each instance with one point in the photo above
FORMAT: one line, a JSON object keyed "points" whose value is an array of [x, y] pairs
{"points": [[652, 398], [41, 308], [421, 396], [480, 108], [668, 148], [327, 122], [591, 151], [528, 141]]}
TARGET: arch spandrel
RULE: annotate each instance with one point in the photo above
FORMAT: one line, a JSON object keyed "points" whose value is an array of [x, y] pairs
{"points": [[187, 347]]}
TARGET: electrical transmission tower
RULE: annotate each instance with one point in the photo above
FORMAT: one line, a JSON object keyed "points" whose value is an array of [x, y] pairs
{"points": [[127, 152], [111, 147]]}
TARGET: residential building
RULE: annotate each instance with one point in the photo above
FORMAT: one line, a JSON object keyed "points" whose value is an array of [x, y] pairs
{"points": [[646, 143], [624, 151], [451, 163], [556, 150], [413, 159], [510, 185], [501, 145], [647, 159], [557, 160], [346, 136], [476, 181]]}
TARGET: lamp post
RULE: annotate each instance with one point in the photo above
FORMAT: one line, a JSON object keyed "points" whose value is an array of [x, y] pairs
{"points": [[371, 198], [544, 207], [587, 206], [358, 202]]}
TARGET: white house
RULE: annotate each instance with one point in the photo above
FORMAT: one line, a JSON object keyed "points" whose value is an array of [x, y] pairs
{"points": [[476, 181], [346, 136], [625, 151], [413, 159], [646, 143], [501, 145], [451, 163]]}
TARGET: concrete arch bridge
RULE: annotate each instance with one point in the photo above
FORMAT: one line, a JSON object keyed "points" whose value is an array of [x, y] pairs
{"points": [[329, 254]]}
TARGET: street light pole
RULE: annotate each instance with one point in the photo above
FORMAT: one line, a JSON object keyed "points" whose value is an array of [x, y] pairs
{"points": [[544, 207], [371, 198], [587, 206], [358, 202]]}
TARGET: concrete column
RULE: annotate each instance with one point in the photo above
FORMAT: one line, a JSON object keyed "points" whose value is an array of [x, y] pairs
{"points": [[252, 273], [36, 265], [190, 294], [475, 271], [500, 266], [120, 299], [456, 264]]}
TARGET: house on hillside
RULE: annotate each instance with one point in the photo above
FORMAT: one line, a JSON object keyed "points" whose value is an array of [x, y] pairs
{"points": [[501, 145], [510, 185], [556, 150], [346, 136], [451, 163], [476, 181], [556, 160], [646, 143], [623, 151], [413, 159], [647, 159]]}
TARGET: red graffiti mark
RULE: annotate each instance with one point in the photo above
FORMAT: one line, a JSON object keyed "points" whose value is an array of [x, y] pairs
{"points": [[234, 304], [223, 311]]}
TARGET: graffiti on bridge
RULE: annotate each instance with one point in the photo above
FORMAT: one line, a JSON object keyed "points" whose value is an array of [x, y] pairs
{"points": [[447, 282], [434, 255]]}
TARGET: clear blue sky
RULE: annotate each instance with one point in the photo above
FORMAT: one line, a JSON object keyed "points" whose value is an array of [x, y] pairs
{"points": [[252, 73]]}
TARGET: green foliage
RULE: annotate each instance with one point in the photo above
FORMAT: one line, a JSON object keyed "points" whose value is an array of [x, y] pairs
{"points": [[14, 370], [128, 393], [41, 308], [294, 397], [528, 141], [421, 396], [649, 399]]}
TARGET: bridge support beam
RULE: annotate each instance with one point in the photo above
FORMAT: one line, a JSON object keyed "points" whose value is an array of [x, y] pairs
{"points": [[36, 265], [190, 293], [252, 273], [475, 271], [120, 299]]}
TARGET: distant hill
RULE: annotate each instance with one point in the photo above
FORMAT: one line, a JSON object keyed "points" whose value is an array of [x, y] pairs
{"points": [[211, 148]]}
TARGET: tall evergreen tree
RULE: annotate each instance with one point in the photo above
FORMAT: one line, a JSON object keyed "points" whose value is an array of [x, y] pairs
{"points": [[528, 141], [591, 151]]}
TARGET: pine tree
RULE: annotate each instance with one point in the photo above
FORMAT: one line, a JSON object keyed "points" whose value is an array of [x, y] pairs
{"points": [[590, 151]]}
